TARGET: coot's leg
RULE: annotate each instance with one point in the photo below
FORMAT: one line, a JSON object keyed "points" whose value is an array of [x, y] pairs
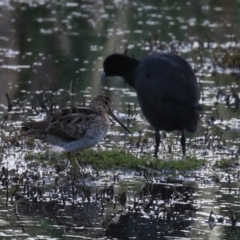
{"points": [[183, 143], [157, 143]]}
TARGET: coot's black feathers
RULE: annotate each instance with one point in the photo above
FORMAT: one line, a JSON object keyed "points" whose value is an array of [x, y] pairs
{"points": [[167, 90]]}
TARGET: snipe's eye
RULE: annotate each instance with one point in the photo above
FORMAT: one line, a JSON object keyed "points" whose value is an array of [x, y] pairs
{"points": [[105, 102]]}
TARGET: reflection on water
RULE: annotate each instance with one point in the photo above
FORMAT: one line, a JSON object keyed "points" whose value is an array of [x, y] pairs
{"points": [[126, 206], [45, 46]]}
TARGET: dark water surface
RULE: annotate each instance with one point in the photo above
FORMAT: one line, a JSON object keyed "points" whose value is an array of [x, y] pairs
{"points": [[48, 46]]}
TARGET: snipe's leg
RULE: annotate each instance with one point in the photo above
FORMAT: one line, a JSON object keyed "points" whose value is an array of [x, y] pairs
{"points": [[183, 143], [75, 167], [69, 156], [73, 161], [157, 143]]}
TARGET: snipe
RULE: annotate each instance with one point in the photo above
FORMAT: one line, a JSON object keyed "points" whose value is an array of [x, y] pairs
{"points": [[76, 128]]}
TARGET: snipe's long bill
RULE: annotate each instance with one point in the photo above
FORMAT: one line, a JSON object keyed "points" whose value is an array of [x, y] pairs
{"points": [[76, 128]]}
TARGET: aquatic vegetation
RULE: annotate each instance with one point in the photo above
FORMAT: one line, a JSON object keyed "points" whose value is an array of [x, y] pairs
{"points": [[120, 160], [231, 58]]}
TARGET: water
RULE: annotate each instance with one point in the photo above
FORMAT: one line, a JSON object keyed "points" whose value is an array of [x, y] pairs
{"points": [[47, 47]]}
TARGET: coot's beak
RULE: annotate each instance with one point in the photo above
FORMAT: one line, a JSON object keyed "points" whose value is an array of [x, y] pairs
{"points": [[103, 76], [117, 120]]}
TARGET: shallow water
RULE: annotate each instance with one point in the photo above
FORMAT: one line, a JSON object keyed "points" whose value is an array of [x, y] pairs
{"points": [[46, 47]]}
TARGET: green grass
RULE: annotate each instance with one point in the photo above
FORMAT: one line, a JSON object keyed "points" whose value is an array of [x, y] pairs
{"points": [[225, 163], [118, 159]]}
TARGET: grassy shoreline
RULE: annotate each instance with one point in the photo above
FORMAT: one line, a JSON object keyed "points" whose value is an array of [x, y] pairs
{"points": [[118, 159]]}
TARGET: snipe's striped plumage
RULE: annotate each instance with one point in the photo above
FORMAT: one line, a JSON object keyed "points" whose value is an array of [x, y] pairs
{"points": [[167, 90], [76, 128]]}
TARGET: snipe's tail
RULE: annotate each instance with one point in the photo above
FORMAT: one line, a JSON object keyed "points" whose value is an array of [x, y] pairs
{"points": [[32, 127]]}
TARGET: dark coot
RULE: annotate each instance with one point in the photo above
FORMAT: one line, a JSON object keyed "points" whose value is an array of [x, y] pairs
{"points": [[167, 90]]}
